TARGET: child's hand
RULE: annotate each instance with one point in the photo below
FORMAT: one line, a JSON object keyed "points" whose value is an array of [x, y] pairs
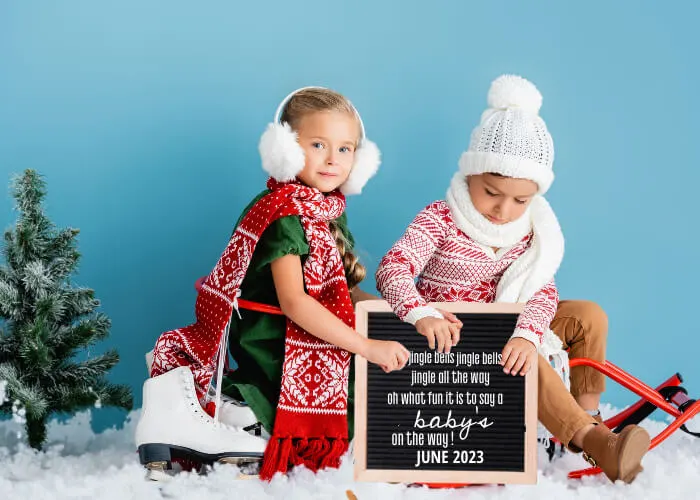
{"points": [[389, 355], [518, 355], [443, 332]]}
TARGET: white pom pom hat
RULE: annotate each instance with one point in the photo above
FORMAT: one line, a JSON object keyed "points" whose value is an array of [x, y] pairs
{"points": [[512, 139], [283, 157]]}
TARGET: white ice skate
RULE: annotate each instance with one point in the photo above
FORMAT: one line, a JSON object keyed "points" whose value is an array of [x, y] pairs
{"points": [[174, 425], [232, 412]]}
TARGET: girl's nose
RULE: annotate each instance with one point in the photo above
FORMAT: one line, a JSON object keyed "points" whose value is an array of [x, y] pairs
{"points": [[332, 158]]}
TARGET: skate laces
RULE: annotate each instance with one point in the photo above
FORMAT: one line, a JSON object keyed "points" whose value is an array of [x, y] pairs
{"points": [[221, 363]]}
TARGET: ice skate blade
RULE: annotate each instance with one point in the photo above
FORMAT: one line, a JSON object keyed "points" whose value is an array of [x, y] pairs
{"points": [[162, 452], [240, 461], [158, 474]]}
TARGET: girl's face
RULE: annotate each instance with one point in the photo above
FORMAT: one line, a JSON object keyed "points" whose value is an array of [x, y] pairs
{"points": [[500, 199], [329, 140]]}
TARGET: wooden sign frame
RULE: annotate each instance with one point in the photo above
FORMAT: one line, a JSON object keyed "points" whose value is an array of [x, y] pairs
{"points": [[527, 476]]}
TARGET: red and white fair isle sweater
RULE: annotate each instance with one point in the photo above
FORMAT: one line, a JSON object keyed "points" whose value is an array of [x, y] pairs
{"points": [[450, 267]]}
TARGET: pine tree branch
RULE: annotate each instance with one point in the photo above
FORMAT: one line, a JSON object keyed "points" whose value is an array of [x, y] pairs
{"points": [[10, 250], [86, 371], [31, 398], [5, 274], [51, 309], [5, 346], [33, 350], [86, 332], [29, 243], [62, 267], [74, 398], [10, 303], [29, 190], [63, 244], [36, 279], [118, 396], [8, 342], [78, 302]]}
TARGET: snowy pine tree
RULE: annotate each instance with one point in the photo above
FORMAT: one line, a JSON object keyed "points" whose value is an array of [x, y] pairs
{"points": [[46, 323]]}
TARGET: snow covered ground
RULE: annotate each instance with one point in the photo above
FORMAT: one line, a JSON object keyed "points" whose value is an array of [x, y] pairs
{"points": [[82, 465]]}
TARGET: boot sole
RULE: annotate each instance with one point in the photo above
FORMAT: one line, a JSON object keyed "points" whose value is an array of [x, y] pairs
{"points": [[164, 453], [635, 445]]}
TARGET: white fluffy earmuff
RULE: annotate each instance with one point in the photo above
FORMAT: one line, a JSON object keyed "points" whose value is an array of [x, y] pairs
{"points": [[283, 157]]}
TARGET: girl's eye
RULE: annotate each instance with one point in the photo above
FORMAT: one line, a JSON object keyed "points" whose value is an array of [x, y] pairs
{"points": [[345, 149], [520, 202], [490, 193], [317, 145]]}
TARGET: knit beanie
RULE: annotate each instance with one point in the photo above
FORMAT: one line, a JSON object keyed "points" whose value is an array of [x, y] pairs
{"points": [[512, 139]]}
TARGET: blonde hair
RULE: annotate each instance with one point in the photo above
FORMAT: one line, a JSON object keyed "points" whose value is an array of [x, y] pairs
{"points": [[314, 100]]}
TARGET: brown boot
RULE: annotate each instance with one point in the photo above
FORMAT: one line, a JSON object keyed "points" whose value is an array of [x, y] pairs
{"points": [[618, 455], [599, 419]]}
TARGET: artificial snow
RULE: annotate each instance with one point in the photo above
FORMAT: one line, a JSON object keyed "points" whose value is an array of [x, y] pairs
{"points": [[79, 464]]}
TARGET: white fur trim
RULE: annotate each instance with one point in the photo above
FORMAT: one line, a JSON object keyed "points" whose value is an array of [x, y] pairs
{"points": [[475, 163], [367, 161], [418, 313], [282, 156]]}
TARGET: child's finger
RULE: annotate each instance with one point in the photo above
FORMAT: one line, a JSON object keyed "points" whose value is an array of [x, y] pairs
{"points": [[454, 331], [430, 335], [451, 317], [447, 338], [522, 357], [440, 337], [505, 354], [526, 367], [512, 359], [400, 361]]}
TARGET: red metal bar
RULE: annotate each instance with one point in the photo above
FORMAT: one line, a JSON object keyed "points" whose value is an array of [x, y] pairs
{"points": [[616, 420], [246, 304], [632, 383], [692, 410], [257, 306]]}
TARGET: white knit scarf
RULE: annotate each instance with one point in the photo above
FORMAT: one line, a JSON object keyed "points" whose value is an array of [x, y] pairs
{"points": [[535, 267]]}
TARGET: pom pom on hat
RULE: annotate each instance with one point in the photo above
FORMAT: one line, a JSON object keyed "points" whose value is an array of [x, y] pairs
{"points": [[512, 91], [511, 139]]}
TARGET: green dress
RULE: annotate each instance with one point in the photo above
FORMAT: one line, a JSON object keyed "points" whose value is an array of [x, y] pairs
{"points": [[256, 342]]}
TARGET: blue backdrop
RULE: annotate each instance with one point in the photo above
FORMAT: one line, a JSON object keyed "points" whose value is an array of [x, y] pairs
{"points": [[145, 118]]}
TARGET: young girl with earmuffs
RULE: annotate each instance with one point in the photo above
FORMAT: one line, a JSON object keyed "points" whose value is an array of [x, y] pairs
{"points": [[291, 250]]}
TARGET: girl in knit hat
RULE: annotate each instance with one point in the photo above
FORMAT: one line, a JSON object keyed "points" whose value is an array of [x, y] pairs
{"points": [[291, 250], [496, 239]]}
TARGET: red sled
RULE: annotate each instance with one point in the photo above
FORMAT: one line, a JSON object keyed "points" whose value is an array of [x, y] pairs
{"points": [[670, 397]]}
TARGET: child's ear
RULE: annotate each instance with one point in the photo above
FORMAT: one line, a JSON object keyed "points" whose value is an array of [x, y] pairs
{"points": [[282, 156], [367, 161]]}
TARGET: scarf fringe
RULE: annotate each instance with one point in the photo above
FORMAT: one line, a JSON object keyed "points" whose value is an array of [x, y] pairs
{"points": [[313, 453]]}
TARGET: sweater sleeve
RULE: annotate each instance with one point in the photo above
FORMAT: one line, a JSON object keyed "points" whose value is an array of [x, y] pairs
{"points": [[538, 314], [399, 268]]}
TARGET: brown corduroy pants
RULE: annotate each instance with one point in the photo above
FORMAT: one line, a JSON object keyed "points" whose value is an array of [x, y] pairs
{"points": [[582, 326]]}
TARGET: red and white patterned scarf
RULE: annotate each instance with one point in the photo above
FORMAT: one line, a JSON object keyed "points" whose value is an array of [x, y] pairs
{"points": [[311, 420]]}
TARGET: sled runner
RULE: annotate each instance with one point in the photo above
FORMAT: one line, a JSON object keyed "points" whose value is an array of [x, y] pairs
{"points": [[669, 396]]}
